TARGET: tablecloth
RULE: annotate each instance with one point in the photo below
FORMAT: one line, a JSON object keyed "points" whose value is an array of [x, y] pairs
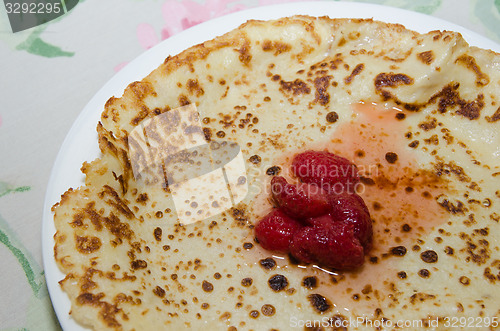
{"points": [[47, 75]]}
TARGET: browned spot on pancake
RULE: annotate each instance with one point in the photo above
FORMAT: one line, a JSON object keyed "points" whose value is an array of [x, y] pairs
{"points": [[432, 140], [273, 171], [464, 280], [268, 310], [112, 223], [296, 87], [391, 80], [207, 134], [78, 219], [310, 282], [398, 251], [356, 71], [159, 291], [194, 87], [332, 117], [321, 84], [414, 144], [157, 233], [142, 198], [89, 298], [470, 63], [254, 314], [87, 282], [451, 168], [391, 157], [246, 282], [142, 89], [424, 273], [245, 56], [142, 114], [366, 180], [495, 117], [320, 303], [278, 283], [239, 214], [268, 263], [421, 297], [138, 264], [429, 256], [449, 97], [207, 286], [108, 107], [226, 316], [255, 159], [471, 109], [183, 100], [453, 208], [277, 46], [426, 57], [247, 120], [400, 116], [477, 251], [87, 245], [489, 272], [429, 125], [107, 311]]}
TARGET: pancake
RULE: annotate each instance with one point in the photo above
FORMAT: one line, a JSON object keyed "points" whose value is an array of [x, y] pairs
{"points": [[159, 237]]}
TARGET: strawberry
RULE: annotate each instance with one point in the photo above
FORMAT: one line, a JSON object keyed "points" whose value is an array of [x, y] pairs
{"points": [[332, 172], [275, 231], [320, 220], [350, 208], [299, 201], [329, 245]]}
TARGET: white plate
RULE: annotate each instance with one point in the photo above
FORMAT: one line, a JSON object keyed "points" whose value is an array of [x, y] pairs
{"points": [[81, 142]]}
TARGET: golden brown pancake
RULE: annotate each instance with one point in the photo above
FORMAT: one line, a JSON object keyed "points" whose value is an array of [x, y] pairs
{"points": [[417, 113]]}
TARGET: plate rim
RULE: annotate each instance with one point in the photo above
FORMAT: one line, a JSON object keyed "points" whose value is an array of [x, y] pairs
{"points": [[150, 59]]}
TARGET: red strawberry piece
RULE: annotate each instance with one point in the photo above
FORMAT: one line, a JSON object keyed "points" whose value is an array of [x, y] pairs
{"points": [[300, 201], [332, 172], [321, 221], [351, 209], [332, 245], [275, 231]]}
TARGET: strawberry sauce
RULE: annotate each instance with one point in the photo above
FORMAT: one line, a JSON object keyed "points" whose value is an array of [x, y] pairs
{"points": [[400, 193]]}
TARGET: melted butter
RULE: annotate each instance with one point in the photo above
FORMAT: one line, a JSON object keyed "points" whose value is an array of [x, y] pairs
{"points": [[401, 198]]}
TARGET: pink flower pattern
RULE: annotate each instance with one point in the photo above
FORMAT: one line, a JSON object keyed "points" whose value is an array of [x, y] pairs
{"points": [[180, 15]]}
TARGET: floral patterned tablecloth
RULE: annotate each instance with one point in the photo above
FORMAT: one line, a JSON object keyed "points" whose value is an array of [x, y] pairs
{"points": [[47, 75]]}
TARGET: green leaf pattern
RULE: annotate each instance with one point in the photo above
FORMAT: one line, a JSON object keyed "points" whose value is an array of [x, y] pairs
{"points": [[40, 315], [30, 40], [487, 12], [421, 6]]}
